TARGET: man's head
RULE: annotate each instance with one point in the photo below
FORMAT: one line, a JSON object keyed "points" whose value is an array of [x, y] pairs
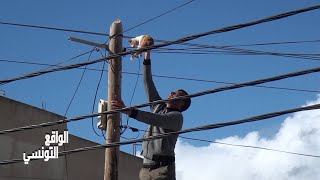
{"points": [[182, 104]]}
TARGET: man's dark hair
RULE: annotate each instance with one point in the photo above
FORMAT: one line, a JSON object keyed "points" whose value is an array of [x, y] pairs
{"points": [[187, 101]]}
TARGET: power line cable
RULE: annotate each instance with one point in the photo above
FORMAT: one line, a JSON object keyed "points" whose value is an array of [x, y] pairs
{"points": [[231, 144], [57, 64], [224, 51], [94, 101], [202, 93], [69, 105], [160, 15], [173, 77], [104, 34], [178, 41], [233, 51], [128, 37], [194, 129], [233, 83], [130, 103], [90, 32], [274, 43], [79, 83], [133, 130], [134, 89], [248, 146], [140, 24], [153, 18], [259, 52], [139, 61], [51, 65], [70, 59], [245, 45], [211, 53], [53, 28]]}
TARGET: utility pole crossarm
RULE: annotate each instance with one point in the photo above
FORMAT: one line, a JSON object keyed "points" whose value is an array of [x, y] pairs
{"points": [[82, 41]]}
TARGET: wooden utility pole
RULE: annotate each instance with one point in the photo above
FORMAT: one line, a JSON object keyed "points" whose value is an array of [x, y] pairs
{"points": [[114, 92]]}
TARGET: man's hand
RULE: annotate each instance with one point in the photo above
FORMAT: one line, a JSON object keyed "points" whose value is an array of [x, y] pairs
{"points": [[118, 104]]}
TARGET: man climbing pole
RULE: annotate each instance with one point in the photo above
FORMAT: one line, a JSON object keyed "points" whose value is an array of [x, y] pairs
{"points": [[159, 158]]}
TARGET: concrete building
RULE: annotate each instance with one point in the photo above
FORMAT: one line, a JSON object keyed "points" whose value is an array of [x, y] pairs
{"points": [[87, 165]]}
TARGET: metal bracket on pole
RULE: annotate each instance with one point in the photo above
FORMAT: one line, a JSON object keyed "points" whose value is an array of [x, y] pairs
{"points": [[90, 43]]}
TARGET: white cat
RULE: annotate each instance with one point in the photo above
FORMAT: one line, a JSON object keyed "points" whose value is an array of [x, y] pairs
{"points": [[140, 42]]}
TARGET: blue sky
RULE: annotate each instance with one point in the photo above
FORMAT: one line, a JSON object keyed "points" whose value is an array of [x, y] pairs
{"points": [[56, 89]]}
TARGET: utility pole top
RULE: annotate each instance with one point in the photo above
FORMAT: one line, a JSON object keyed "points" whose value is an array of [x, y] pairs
{"points": [[117, 21]]}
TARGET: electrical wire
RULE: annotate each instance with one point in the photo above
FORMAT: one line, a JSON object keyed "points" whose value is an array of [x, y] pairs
{"points": [[130, 103], [210, 53], [160, 15], [274, 43], [202, 93], [51, 65], [202, 50], [94, 102], [235, 145], [104, 34], [133, 130], [151, 19], [194, 129], [219, 126], [53, 28], [175, 77], [79, 83], [126, 138], [129, 37], [197, 94], [69, 105], [90, 32], [57, 64], [70, 59], [248, 121], [134, 89], [233, 51], [233, 83], [239, 51], [178, 41], [248, 146], [139, 59]]}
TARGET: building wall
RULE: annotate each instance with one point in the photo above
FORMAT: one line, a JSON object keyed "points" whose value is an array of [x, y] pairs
{"points": [[82, 165]]}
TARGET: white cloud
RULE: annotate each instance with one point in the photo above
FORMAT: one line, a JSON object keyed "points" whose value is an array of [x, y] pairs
{"points": [[298, 133]]}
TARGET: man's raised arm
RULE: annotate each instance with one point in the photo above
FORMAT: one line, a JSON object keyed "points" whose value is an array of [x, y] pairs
{"points": [[150, 88]]}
